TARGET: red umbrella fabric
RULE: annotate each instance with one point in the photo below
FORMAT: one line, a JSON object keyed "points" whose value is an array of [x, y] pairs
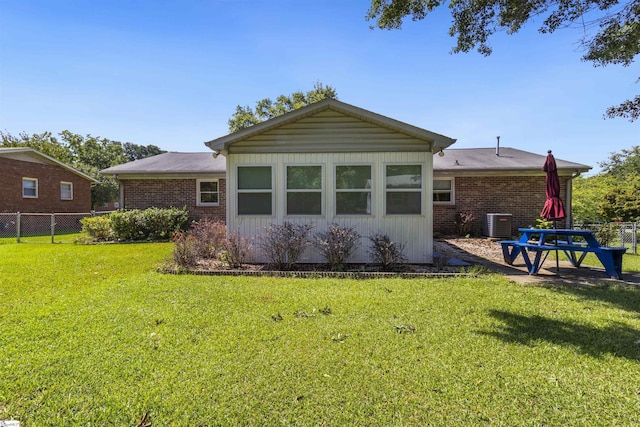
{"points": [[553, 208]]}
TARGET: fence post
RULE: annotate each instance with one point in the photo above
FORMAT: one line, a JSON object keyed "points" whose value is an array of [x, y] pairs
{"points": [[18, 227], [634, 237], [53, 226]]}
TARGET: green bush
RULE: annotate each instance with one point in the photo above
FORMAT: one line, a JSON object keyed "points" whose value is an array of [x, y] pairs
{"points": [[98, 228], [148, 224]]}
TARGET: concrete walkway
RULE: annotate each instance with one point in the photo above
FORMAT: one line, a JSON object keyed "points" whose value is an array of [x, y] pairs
{"points": [[568, 275]]}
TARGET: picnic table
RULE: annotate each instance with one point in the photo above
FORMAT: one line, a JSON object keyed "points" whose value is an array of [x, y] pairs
{"points": [[575, 244]]}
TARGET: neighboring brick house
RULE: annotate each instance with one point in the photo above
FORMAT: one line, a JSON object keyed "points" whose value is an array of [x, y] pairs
{"points": [[192, 180], [33, 182]]}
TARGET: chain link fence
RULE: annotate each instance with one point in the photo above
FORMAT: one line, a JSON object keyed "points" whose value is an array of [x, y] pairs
{"points": [[42, 227], [625, 233]]}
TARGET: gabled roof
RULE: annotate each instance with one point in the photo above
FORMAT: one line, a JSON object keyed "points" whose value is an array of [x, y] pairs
{"points": [[458, 161], [171, 163], [30, 154], [438, 141]]}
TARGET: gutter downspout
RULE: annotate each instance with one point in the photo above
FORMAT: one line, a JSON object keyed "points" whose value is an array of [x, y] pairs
{"points": [[569, 219], [121, 188]]}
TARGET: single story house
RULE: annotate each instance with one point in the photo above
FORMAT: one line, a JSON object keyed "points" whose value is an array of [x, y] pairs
{"points": [[36, 183], [332, 162]]}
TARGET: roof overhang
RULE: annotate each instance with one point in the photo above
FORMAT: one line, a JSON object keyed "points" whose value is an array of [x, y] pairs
{"points": [[10, 152]]}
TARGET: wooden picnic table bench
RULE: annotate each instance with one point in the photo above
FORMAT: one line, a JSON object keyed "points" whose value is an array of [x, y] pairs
{"points": [[541, 242]]}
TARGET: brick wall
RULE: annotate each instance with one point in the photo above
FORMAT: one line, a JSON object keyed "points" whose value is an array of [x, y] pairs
{"points": [[49, 177], [521, 196], [167, 193]]}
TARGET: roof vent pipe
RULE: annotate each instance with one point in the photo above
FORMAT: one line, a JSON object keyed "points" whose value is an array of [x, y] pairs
{"points": [[498, 146]]}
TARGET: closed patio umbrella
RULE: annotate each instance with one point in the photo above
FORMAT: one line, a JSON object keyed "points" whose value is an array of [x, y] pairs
{"points": [[553, 208]]}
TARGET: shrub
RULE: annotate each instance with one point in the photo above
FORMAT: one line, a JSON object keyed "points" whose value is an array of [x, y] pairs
{"points": [[148, 224], [210, 238], [237, 248], [386, 253], [284, 244], [337, 244], [185, 252], [463, 222], [98, 228], [607, 233]]}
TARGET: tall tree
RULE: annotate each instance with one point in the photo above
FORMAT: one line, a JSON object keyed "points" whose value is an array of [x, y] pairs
{"points": [[623, 164], [610, 28], [614, 193], [266, 109], [136, 152], [44, 142]]}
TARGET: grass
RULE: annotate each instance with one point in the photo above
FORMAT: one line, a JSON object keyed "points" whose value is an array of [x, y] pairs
{"points": [[93, 335], [630, 262]]}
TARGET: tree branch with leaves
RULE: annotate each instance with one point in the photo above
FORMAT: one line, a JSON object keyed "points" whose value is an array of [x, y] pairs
{"points": [[611, 28]]}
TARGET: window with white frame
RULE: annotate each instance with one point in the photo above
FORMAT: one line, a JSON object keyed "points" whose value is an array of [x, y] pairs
{"points": [[443, 191], [66, 190], [30, 188], [208, 192], [255, 190], [353, 190], [304, 190], [403, 189]]}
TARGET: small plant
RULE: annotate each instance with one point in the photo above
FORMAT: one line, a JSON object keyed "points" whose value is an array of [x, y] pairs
{"points": [[210, 238], [387, 253], [544, 224], [237, 249], [337, 244], [284, 244], [185, 249], [607, 233], [463, 223]]}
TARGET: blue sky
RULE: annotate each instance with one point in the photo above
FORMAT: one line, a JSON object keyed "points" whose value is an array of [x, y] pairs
{"points": [[171, 73]]}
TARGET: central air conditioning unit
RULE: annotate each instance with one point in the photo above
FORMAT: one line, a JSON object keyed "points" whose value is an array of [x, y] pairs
{"points": [[497, 225]]}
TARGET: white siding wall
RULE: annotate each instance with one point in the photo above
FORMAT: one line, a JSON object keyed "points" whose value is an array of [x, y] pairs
{"points": [[414, 230], [329, 132]]}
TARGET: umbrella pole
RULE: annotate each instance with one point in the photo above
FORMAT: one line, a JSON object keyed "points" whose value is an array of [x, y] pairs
{"points": [[556, 238]]}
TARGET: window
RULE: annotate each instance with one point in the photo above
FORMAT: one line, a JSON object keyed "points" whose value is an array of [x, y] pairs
{"points": [[30, 188], [443, 191], [403, 187], [208, 194], [353, 190], [66, 190], [304, 190], [255, 191]]}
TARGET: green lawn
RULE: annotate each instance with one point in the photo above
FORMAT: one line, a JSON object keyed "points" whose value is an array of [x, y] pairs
{"points": [[92, 335]]}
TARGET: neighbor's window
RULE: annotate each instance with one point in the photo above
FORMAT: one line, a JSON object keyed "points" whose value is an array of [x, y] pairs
{"points": [[304, 190], [208, 192], [30, 188], [66, 190], [403, 187], [353, 190], [255, 190], [443, 191]]}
